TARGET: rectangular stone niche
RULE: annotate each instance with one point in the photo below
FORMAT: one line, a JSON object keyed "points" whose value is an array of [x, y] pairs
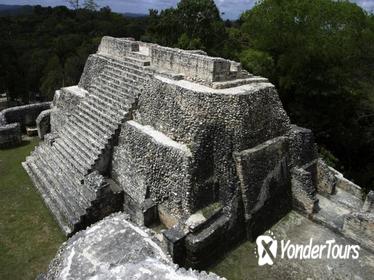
{"points": [[148, 165], [265, 184]]}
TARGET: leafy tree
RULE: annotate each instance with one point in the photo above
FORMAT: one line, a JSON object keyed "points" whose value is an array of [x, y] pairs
{"points": [[192, 24], [323, 61]]}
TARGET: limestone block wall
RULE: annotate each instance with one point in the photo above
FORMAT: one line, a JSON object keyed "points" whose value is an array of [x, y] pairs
{"points": [[43, 123], [25, 115], [64, 104], [148, 164], [265, 184], [92, 69], [213, 124], [117, 47], [10, 135], [193, 65]]}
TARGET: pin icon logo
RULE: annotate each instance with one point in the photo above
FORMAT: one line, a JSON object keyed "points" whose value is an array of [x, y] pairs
{"points": [[267, 249]]}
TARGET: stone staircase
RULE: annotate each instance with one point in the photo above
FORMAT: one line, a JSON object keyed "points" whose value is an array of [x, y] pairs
{"points": [[59, 166], [335, 207]]}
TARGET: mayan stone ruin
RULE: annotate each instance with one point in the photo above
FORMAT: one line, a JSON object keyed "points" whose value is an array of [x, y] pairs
{"points": [[189, 143]]}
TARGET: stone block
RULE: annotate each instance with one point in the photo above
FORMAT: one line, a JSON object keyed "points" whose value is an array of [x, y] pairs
{"points": [[65, 102], [149, 165], [346, 185], [359, 226], [369, 203], [117, 47], [265, 184], [10, 135], [193, 65], [326, 180], [302, 146], [175, 243], [92, 69], [25, 115], [43, 123], [303, 191], [114, 248]]}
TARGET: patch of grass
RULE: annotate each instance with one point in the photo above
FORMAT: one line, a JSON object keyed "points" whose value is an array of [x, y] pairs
{"points": [[29, 237]]}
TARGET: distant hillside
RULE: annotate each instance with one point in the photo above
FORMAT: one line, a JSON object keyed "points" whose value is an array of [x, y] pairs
{"points": [[134, 15], [15, 10]]}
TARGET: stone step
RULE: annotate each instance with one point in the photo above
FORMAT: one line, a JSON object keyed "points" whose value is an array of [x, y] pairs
{"points": [[137, 61], [98, 128], [347, 200], [84, 138], [105, 93], [125, 77], [113, 113], [126, 88], [330, 214], [77, 178], [75, 152], [49, 192], [129, 67], [239, 82], [30, 168], [64, 188], [71, 172], [108, 115], [71, 162], [81, 150], [75, 188], [120, 69], [119, 93], [118, 74], [101, 119], [88, 129], [98, 94], [106, 103], [139, 55]]}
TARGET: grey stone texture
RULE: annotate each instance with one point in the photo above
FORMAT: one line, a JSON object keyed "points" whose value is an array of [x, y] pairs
{"points": [[65, 102], [43, 123], [14, 120], [326, 178], [10, 135], [265, 184], [149, 165], [184, 140], [25, 115], [116, 249], [303, 191], [359, 226], [302, 146], [369, 203]]}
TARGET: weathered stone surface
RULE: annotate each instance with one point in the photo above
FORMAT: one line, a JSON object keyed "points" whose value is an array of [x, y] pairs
{"points": [[265, 184], [94, 66], [302, 146], [303, 191], [346, 185], [360, 227], [25, 115], [2, 119], [116, 249], [176, 133], [43, 123], [369, 203], [10, 135], [242, 263], [65, 102], [326, 180], [148, 164]]}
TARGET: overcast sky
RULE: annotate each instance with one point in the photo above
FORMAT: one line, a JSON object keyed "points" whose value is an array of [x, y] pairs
{"points": [[231, 8]]}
